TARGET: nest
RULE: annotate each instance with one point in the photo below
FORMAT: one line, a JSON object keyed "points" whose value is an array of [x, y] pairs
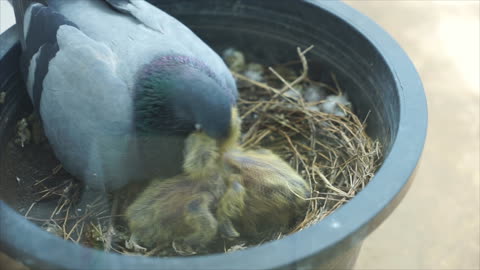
{"points": [[331, 151]]}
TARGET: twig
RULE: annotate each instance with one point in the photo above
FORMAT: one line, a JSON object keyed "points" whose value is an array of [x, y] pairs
{"points": [[30, 208]]}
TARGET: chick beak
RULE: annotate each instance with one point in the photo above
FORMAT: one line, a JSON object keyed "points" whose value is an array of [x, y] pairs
{"points": [[232, 140]]}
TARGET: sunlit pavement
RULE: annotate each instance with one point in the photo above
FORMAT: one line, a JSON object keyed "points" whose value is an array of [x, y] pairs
{"points": [[437, 224]]}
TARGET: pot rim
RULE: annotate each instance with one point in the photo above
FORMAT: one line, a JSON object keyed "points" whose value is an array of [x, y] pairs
{"points": [[349, 223]]}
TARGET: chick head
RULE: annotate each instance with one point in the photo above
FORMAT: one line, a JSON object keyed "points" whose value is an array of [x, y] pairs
{"points": [[190, 208], [202, 152]]}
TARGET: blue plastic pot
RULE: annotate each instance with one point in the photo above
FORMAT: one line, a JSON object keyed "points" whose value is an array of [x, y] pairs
{"points": [[372, 68]]}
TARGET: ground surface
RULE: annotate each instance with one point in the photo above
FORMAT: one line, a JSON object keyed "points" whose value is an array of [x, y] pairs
{"points": [[437, 224]]}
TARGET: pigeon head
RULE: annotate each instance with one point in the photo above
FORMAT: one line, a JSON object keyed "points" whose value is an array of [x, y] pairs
{"points": [[176, 95]]}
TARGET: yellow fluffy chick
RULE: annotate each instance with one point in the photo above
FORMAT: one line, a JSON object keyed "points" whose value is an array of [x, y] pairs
{"points": [[180, 210], [275, 195], [225, 191]]}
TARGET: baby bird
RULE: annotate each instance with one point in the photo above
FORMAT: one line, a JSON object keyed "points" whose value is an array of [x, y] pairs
{"points": [[225, 191], [187, 209], [332, 104], [275, 195]]}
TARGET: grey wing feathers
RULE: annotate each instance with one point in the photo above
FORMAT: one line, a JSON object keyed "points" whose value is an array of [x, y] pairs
{"points": [[87, 109], [120, 5], [140, 10], [39, 36], [19, 7]]}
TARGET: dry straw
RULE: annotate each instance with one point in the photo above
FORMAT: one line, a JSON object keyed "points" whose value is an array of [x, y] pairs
{"points": [[333, 153]]}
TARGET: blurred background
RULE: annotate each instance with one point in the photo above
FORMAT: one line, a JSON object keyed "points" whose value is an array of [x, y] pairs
{"points": [[437, 226]]}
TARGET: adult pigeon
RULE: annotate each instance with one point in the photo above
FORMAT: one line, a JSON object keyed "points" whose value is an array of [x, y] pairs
{"points": [[119, 84]]}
